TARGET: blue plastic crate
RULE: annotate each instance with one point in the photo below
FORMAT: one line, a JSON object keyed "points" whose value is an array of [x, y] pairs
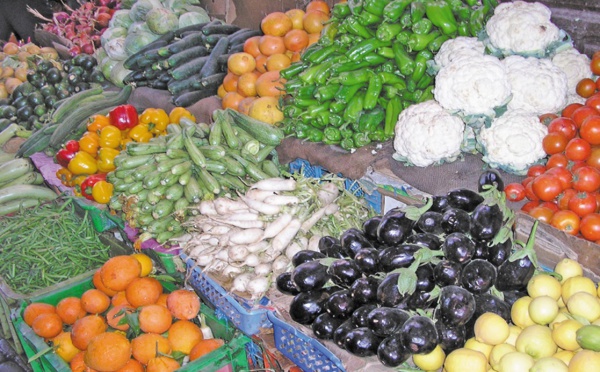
{"points": [[238, 311], [373, 198], [305, 351]]}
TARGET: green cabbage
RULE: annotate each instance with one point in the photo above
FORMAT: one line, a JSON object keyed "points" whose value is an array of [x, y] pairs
{"points": [[138, 27], [118, 73], [161, 21], [127, 4], [106, 66], [120, 18], [192, 18], [115, 49], [179, 6], [139, 10], [111, 33], [138, 40]]}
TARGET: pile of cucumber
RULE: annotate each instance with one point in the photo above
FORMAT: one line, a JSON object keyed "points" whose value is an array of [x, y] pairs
{"points": [[155, 182], [190, 62]]}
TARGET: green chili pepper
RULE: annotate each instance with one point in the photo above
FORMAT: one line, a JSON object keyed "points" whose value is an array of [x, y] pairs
{"points": [[346, 92], [373, 59], [405, 20], [411, 85], [291, 111], [292, 70], [471, 2], [340, 10], [355, 107], [322, 119], [326, 92], [369, 120], [375, 7], [392, 110], [293, 85], [404, 61], [464, 29], [423, 27], [357, 29], [427, 94], [314, 135], [301, 130], [308, 75], [390, 78], [305, 102], [425, 81], [389, 91], [368, 19], [323, 73], [436, 44], [389, 66], [440, 14], [335, 119], [388, 31], [322, 54], [356, 6], [382, 101], [386, 52], [346, 132], [412, 96], [312, 111], [345, 40], [333, 134], [364, 47], [361, 139], [356, 77], [337, 107], [306, 91], [328, 33], [417, 11], [421, 64], [394, 9], [373, 91], [377, 135], [311, 49], [418, 42], [403, 37], [477, 20], [347, 144]]}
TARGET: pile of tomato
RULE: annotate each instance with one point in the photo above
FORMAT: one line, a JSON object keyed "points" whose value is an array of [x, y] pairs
{"points": [[565, 192]]}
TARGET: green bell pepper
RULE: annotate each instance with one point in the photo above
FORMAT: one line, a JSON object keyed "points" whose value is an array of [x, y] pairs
{"points": [[388, 31], [394, 10], [418, 42], [404, 61], [440, 14], [332, 134], [422, 27], [314, 135], [417, 11]]}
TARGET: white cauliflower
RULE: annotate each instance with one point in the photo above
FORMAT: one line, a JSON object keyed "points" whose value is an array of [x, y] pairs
{"points": [[538, 86], [513, 142], [472, 86], [458, 48], [426, 134], [577, 66], [522, 28]]}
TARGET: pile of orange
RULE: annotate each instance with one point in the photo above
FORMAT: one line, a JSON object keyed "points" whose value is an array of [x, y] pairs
{"points": [[92, 332], [253, 85]]}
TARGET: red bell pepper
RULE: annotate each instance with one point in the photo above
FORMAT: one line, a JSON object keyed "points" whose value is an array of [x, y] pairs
{"points": [[123, 117], [88, 184], [67, 152]]}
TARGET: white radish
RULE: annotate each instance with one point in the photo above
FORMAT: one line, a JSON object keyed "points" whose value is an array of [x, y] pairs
{"points": [[241, 224], [263, 269], [280, 264], [275, 184], [227, 206], [240, 282], [204, 259], [292, 249], [261, 207], [269, 255], [224, 240], [282, 200], [259, 195], [232, 271], [312, 220], [313, 243], [240, 216], [237, 252], [252, 260], [331, 209], [285, 236], [277, 225], [246, 236], [219, 230], [182, 238], [258, 286], [222, 255], [207, 207], [328, 193], [258, 246]]}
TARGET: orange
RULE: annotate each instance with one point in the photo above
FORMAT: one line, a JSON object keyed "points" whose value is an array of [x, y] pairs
{"points": [[131, 366], [63, 346], [77, 364], [147, 346], [120, 298], [184, 335], [155, 318], [231, 100], [270, 84], [239, 63], [162, 299], [296, 16], [85, 329], [162, 364], [107, 352], [119, 271], [266, 109], [183, 304], [204, 347], [94, 301], [313, 21], [269, 44], [261, 63], [278, 62], [143, 291], [47, 325], [230, 82], [318, 5], [251, 46], [276, 24], [245, 105], [295, 57], [34, 309], [97, 281], [247, 84], [221, 91], [146, 262], [313, 38], [115, 314], [70, 309], [295, 40]]}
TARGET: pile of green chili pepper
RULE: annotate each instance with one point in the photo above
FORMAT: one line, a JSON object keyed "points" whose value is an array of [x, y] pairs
{"points": [[369, 64], [46, 245]]}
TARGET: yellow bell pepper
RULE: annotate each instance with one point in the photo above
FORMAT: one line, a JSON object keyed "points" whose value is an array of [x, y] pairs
{"points": [[83, 163], [178, 112], [140, 133], [110, 136], [97, 122], [77, 181], [156, 119], [106, 159], [89, 142], [65, 176], [102, 192]]}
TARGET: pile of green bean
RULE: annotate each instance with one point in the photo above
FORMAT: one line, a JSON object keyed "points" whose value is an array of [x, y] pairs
{"points": [[46, 245]]}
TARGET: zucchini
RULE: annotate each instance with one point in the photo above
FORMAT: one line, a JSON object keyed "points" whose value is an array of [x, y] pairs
{"points": [[167, 165], [265, 133], [214, 152], [189, 68], [151, 180], [169, 180], [189, 98], [211, 183], [184, 56], [214, 166], [145, 148], [24, 192], [185, 178], [181, 168], [270, 168], [216, 133], [15, 168], [192, 191], [223, 28], [230, 182], [233, 166], [228, 134], [130, 162], [214, 79], [181, 205], [69, 104], [195, 154], [174, 192], [212, 66]]}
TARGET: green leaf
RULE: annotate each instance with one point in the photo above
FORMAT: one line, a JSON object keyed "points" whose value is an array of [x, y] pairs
{"points": [[327, 261], [407, 281], [494, 291], [414, 213]]}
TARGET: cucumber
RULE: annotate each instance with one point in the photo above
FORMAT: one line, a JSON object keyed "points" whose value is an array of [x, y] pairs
{"points": [[194, 27], [214, 79], [265, 133], [132, 61], [184, 56], [177, 87], [186, 42], [241, 35], [189, 68], [189, 98], [212, 66], [72, 102], [220, 29], [588, 337]]}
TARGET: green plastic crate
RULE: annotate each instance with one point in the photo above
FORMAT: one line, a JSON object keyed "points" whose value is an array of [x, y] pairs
{"points": [[229, 357]]}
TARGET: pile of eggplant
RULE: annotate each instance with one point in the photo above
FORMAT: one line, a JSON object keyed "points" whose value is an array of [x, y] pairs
{"points": [[414, 277]]}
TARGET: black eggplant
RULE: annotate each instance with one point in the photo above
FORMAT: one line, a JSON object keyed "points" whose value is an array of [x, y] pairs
{"points": [[481, 249], [498, 253], [486, 221], [514, 276], [397, 256], [419, 334], [306, 256], [370, 226], [430, 222], [387, 292], [285, 284], [310, 276], [330, 246], [362, 342], [510, 297], [360, 317], [364, 290], [450, 337], [367, 260], [478, 276], [394, 227], [324, 326], [426, 240], [439, 203], [488, 303], [339, 335], [456, 220], [385, 321], [352, 240], [307, 306], [425, 278], [456, 305], [464, 199], [340, 304], [458, 247], [447, 273], [417, 300], [392, 352], [492, 178], [344, 272]]}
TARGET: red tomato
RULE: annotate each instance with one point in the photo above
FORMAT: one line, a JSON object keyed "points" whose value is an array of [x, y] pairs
{"points": [[586, 178], [564, 197], [594, 101], [554, 143], [590, 227], [547, 118], [597, 201], [543, 214], [583, 203], [529, 193], [594, 159], [565, 126], [586, 87], [527, 207], [552, 205], [574, 165], [514, 192], [578, 149], [582, 113], [557, 160], [536, 170], [590, 129], [597, 84], [526, 181], [566, 221], [567, 112], [546, 187], [563, 174], [595, 66]]}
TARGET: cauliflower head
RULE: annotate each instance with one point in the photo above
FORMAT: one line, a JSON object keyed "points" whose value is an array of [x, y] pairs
{"points": [[577, 66], [458, 48], [426, 134], [538, 86], [522, 28], [473, 86], [513, 142]]}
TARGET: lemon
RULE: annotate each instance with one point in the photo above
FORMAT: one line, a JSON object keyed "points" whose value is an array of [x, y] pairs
{"points": [[515, 361], [543, 309], [578, 284], [563, 314], [514, 332], [585, 361], [473, 344], [498, 352], [536, 340], [146, 263], [564, 355], [544, 285], [564, 334], [431, 361], [519, 312], [491, 329], [584, 305], [463, 359], [549, 364], [568, 268]]}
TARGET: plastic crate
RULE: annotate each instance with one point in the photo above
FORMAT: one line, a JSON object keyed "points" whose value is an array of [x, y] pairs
{"points": [[308, 353], [229, 357], [238, 311], [373, 198]]}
